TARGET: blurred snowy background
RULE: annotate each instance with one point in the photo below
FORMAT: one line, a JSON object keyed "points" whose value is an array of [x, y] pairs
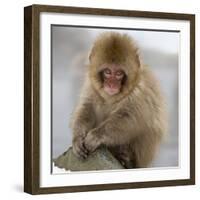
{"points": [[70, 49]]}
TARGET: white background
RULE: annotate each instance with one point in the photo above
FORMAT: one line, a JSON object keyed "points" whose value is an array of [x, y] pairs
{"points": [[11, 100], [48, 179]]}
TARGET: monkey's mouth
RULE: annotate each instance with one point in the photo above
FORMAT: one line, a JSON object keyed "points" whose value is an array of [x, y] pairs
{"points": [[111, 91]]}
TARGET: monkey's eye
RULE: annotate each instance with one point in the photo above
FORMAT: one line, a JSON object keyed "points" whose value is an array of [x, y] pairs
{"points": [[107, 73], [119, 75]]}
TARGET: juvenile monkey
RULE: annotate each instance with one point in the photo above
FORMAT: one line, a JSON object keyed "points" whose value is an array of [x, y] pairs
{"points": [[121, 106]]}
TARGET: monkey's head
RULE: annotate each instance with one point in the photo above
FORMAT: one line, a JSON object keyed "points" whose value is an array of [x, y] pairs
{"points": [[114, 65]]}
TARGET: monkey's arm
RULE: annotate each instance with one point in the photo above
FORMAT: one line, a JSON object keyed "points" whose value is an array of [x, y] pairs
{"points": [[118, 129], [82, 122]]}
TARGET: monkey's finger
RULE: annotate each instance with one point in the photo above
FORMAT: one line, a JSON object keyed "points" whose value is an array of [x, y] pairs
{"points": [[82, 153], [83, 149], [79, 152], [90, 144], [90, 148]]}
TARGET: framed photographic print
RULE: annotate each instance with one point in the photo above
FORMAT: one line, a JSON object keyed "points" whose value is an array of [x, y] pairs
{"points": [[109, 99]]}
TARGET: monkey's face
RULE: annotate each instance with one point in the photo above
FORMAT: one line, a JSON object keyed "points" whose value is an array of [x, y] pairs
{"points": [[113, 78], [114, 66]]}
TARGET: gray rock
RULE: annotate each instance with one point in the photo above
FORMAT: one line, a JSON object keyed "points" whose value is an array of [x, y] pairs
{"points": [[101, 159]]}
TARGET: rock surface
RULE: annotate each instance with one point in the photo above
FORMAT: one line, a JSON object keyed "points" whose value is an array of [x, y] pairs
{"points": [[101, 159]]}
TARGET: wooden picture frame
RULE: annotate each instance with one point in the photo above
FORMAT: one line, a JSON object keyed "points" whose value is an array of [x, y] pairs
{"points": [[32, 106]]}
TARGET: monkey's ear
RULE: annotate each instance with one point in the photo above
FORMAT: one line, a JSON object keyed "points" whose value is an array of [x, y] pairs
{"points": [[139, 59], [91, 54]]}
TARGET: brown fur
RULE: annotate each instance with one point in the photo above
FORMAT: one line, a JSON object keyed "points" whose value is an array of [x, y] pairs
{"points": [[131, 123]]}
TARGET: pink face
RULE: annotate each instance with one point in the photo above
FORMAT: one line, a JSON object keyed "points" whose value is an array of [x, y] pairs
{"points": [[112, 79]]}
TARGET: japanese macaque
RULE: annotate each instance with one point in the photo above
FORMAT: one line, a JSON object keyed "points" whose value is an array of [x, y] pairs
{"points": [[121, 106]]}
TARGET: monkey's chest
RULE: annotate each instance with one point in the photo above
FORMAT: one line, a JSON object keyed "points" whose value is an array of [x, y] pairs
{"points": [[102, 113]]}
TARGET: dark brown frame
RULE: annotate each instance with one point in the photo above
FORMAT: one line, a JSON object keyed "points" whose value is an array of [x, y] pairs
{"points": [[32, 105]]}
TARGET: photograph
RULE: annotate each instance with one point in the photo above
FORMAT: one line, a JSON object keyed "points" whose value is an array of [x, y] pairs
{"points": [[114, 98], [109, 99]]}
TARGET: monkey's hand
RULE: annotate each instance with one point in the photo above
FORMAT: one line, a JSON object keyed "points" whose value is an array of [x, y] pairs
{"points": [[79, 148], [92, 140]]}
